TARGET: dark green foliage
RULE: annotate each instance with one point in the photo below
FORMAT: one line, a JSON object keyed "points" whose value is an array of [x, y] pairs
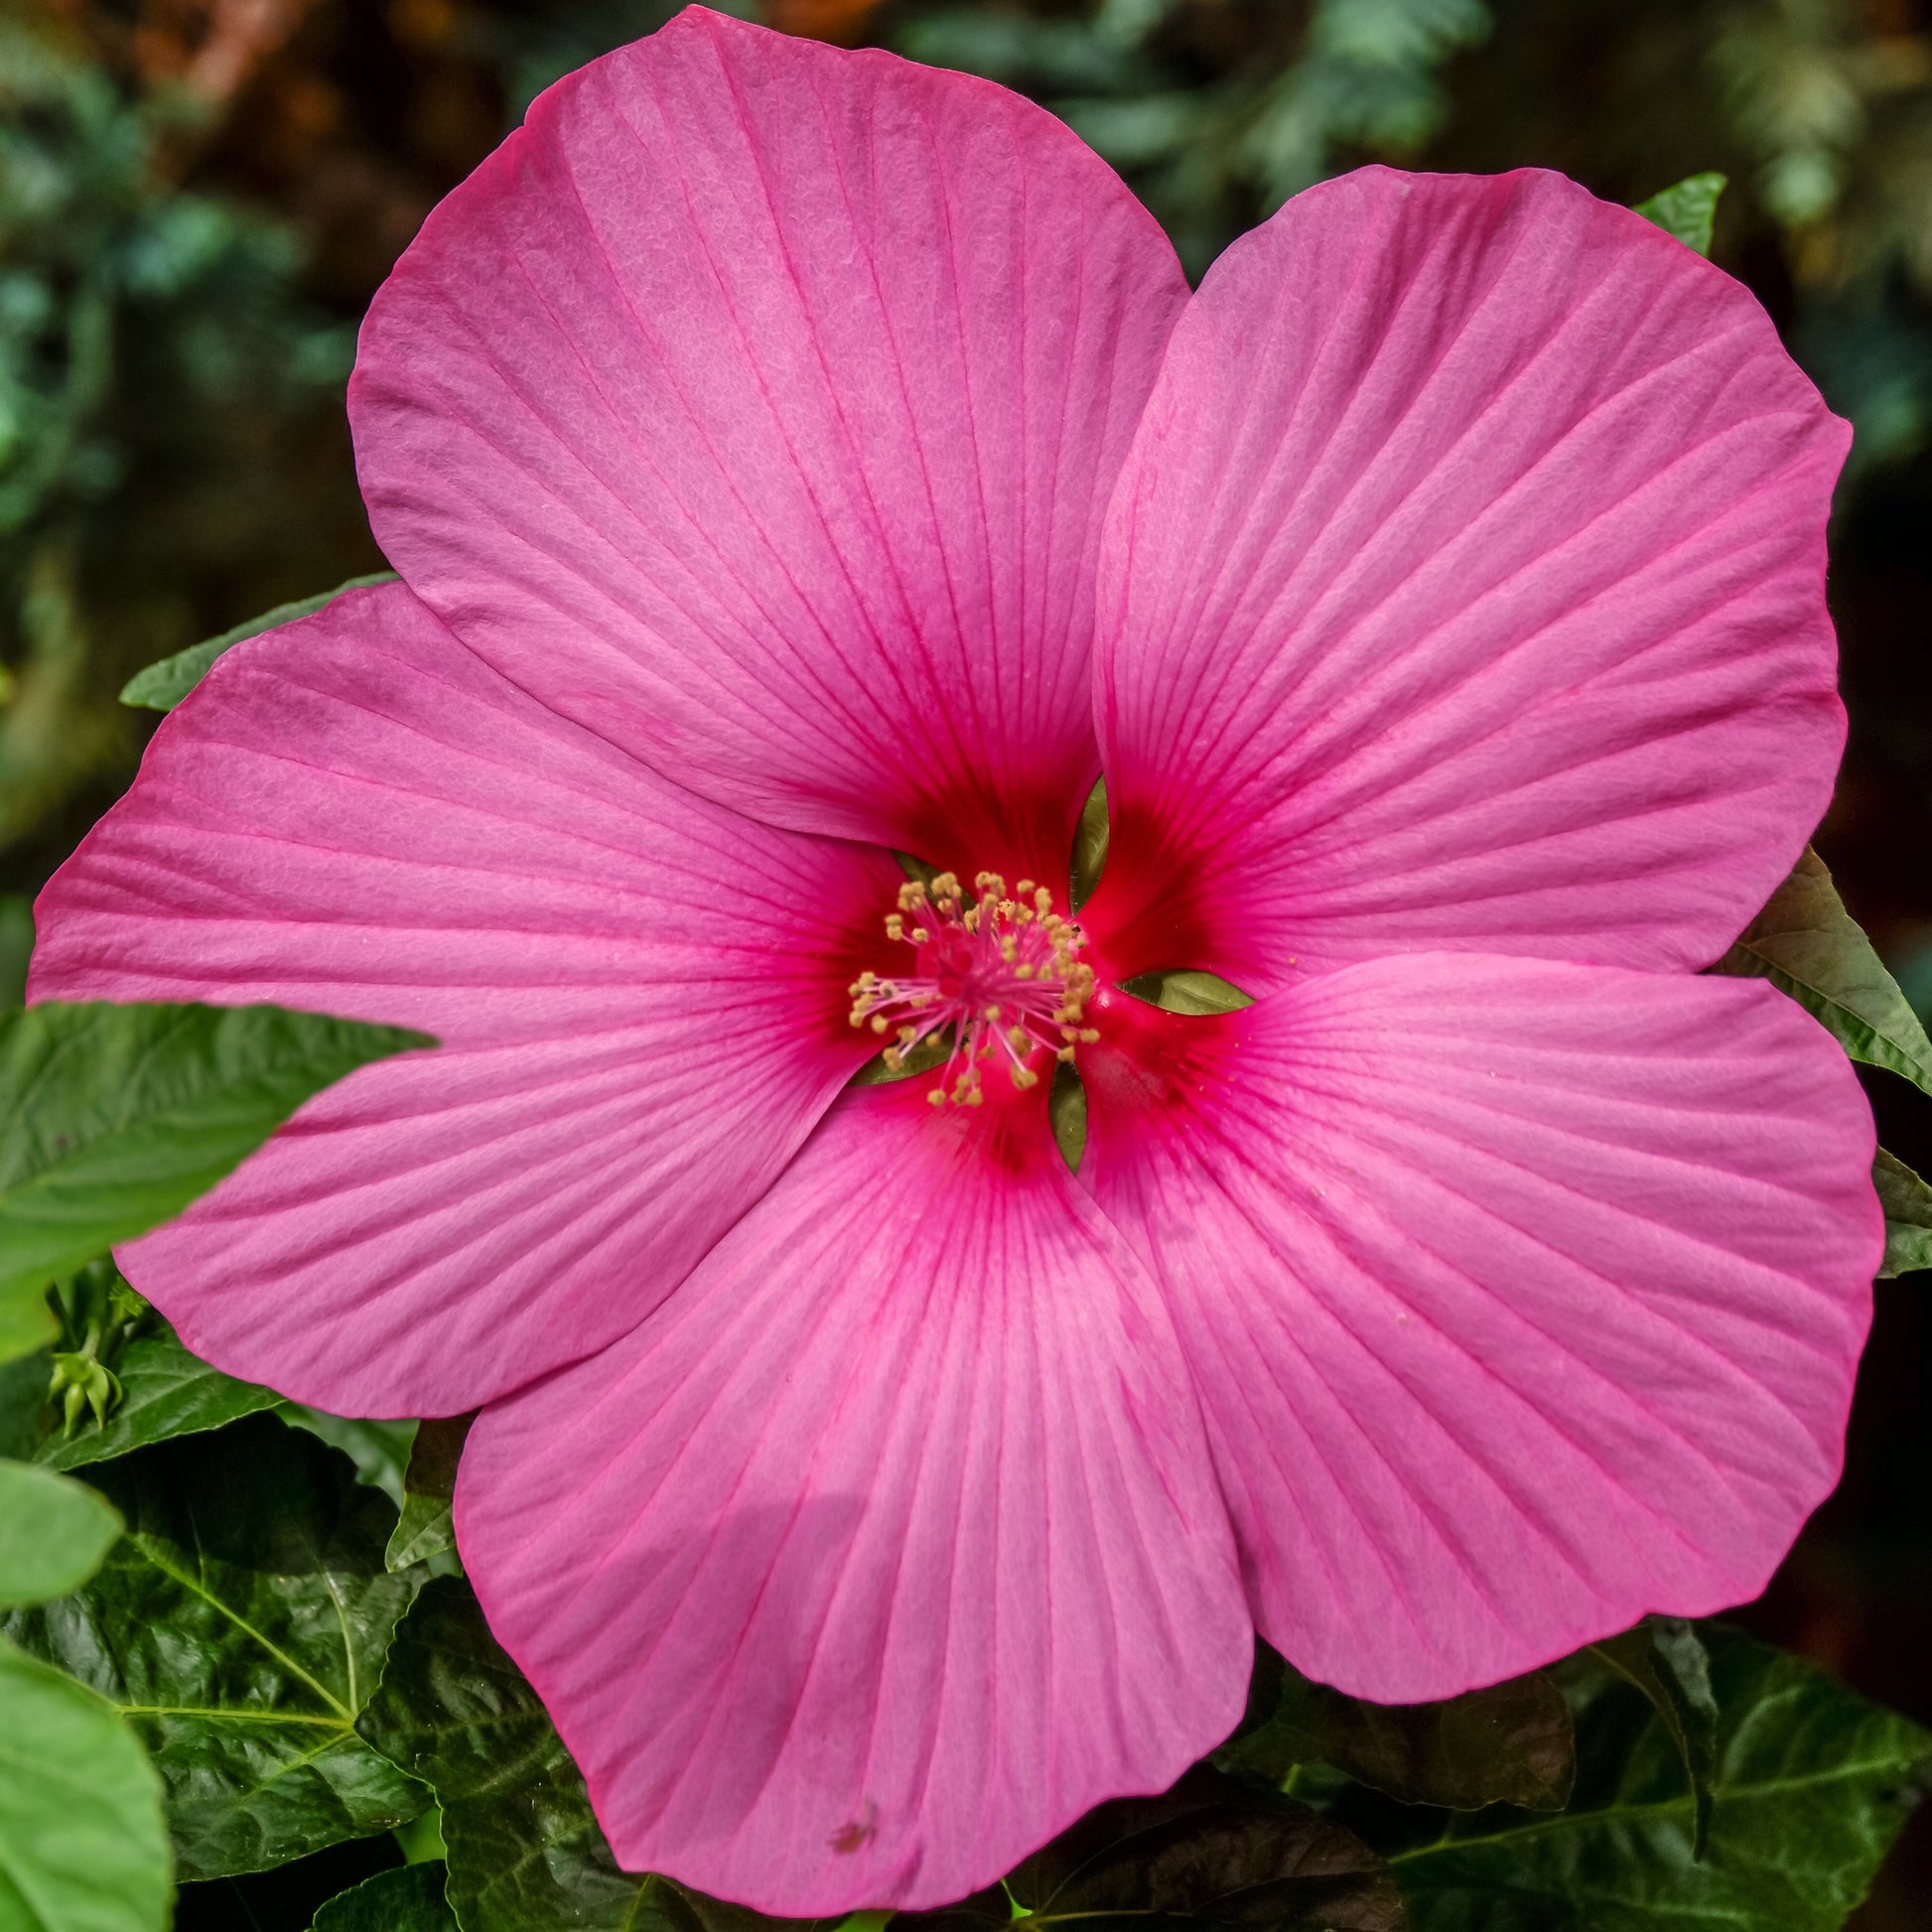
{"points": [[1907, 1202], [406, 1900], [1809, 1787], [424, 1529], [54, 1533], [1666, 1659], [240, 1626]]}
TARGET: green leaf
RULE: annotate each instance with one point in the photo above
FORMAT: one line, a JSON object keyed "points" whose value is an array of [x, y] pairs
{"points": [[1187, 990], [81, 1843], [240, 1625], [409, 1899], [425, 1529], [1809, 1788], [1688, 210], [165, 1392], [1512, 1744], [1089, 847], [114, 1118], [52, 1534], [16, 945], [1665, 1658], [379, 1449], [162, 686], [1907, 1202], [1807, 945], [525, 1854], [1209, 1853]]}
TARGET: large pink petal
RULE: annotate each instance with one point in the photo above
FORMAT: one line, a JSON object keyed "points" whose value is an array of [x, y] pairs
{"points": [[888, 1546], [756, 404], [1464, 590], [641, 995], [1523, 1299]]}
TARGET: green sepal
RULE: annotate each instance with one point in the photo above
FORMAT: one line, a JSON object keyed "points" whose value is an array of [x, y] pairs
{"points": [[239, 1625], [162, 686], [424, 1527], [1688, 209], [1908, 1202], [114, 1118], [408, 1899], [81, 1842], [1511, 1744], [1808, 947], [54, 1533]]}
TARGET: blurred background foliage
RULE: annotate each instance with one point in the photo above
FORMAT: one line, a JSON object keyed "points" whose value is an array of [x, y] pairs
{"points": [[199, 196]]}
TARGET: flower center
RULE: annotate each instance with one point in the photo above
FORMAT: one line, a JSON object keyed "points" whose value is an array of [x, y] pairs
{"points": [[1000, 971]]}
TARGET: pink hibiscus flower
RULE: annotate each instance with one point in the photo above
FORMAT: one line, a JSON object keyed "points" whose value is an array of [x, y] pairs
{"points": [[792, 455]]}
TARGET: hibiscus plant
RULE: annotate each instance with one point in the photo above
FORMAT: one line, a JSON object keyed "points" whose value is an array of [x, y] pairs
{"points": [[1025, 1096]]}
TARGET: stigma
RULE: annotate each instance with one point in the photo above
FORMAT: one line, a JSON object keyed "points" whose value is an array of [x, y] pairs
{"points": [[1001, 971]]}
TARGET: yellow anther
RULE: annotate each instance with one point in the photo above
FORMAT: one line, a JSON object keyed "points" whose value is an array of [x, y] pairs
{"points": [[1042, 902], [1024, 889], [1022, 971], [1025, 1077], [1089, 1035], [879, 1025]]}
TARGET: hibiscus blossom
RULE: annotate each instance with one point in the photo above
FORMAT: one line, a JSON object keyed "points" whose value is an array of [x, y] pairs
{"points": [[795, 457]]}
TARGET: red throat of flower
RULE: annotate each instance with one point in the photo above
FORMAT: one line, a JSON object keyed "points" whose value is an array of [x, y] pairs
{"points": [[1002, 972]]}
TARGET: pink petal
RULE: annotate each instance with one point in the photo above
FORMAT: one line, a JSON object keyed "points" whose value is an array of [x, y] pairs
{"points": [[888, 1546], [756, 405], [1464, 590], [641, 995], [1522, 1299]]}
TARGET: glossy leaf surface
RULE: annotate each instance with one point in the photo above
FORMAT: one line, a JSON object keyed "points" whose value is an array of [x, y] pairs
{"points": [[1907, 1202], [408, 1899], [81, 1843], [1807, 945], [525, 1854], [114, 1118], [165, 1392], [240, 1626], [1811, 1785], [1687, 209], [1665, 1658], [52, 1534], [162, 686], [1511, 1744]]}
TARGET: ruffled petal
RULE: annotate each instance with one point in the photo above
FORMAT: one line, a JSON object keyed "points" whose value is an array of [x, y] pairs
{"points": [[1463, 591], [756, 405], [888, 1546], [1522, 1299], [641, 996]]}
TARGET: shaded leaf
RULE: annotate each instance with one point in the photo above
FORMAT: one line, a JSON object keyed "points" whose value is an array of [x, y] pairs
{"points": [[1665, 1658], [424, 1529], [81, 1843], [1810, 1786], [162, 686], [52, 1534], [16, 946], [1807, 945], [165, 1392], [114, 1118], [1688, 209], [1089, 848], [1511, 1744], [1907, 1202], [1210, 1852], [379, 1449], [240, 1625], [409, 1899], [525, 1854]]}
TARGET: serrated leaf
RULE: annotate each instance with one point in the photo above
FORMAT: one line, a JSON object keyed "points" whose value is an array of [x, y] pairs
{"points": [[165, 1392], [81, 1843], [240, 1625], [1665, 1658], [1907, 1202], [408, 1899], [114, 1118], [425, 1529], [1209, 1853], [1810, 1786], [1511, 1744], [1807, 945], [52, 1534], [525, 1854], [162, 686], [1688, 209]]}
